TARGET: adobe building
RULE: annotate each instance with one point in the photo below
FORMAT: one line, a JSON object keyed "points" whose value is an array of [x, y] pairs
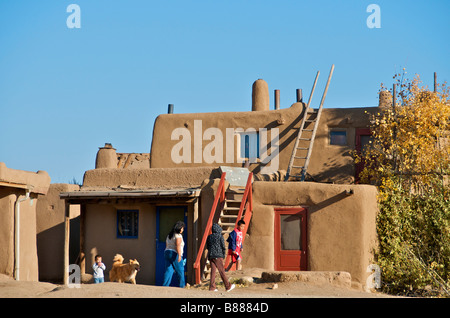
{"points": [[50, 232], [19, 193], [129, 203]]}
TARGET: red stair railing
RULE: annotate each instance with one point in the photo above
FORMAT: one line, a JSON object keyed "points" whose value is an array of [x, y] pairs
{"points": [[218, 200], [247, 202]]}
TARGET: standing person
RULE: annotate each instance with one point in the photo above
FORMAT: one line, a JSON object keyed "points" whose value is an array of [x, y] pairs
{"points": [[216, 253], [173, 255], [235, 245], [98, 268]]}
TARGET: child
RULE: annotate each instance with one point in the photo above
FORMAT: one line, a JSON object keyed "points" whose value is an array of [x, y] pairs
{"points": [[235, 245], [98, 267], [216, 253]]}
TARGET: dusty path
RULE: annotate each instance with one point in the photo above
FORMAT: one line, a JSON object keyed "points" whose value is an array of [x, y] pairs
{"points": [[14, 289]]}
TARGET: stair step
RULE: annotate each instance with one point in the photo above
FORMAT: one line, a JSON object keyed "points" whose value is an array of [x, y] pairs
{"points": [[226, 215], [233, 201], [227, 224], [231, 208]]}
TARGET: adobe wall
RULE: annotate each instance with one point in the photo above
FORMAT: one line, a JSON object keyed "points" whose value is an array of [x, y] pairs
{"points": [[28, 253], [101, 238], [341, 231], [50, 212], [13, 185], [108, 158], [329, 163], [7, 200], [148, 178]]}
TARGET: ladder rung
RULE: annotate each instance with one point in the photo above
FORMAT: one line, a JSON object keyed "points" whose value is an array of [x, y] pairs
{"points": [[299, 157], [297, 167], [308, 129], [304, 138], [310, 120], [303, 148]]}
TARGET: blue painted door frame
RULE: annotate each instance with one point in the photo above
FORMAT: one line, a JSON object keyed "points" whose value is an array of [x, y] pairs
{"points": [[163, 214]]}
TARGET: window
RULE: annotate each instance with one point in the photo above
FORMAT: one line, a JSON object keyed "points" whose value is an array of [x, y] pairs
{"points": [[249, 144], [127, 223], [338, 137]]}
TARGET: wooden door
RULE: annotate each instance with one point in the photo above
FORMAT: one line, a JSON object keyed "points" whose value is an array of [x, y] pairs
{"points": [[290, 239]]}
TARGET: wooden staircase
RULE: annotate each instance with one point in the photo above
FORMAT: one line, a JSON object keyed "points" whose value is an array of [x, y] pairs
{"points": [[229, 214], [231, 205], [301, 153]]}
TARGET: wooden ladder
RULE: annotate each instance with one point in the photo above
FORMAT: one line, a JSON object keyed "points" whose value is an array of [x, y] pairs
{"points": [[301, 153]]}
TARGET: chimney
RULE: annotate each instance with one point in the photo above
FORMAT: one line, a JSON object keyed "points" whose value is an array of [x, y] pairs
{"points": [[260, 95]]}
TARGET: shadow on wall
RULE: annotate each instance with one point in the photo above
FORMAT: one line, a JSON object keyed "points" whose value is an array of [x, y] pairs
{"points": [[334, 170], [50, 249], [291, 129], [330, 201]]}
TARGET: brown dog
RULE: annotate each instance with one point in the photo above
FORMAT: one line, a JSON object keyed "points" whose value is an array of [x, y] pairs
{"points": [[123, 272]]}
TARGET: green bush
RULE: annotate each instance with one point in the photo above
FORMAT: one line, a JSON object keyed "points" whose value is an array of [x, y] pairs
{"points": [[414, 237]]}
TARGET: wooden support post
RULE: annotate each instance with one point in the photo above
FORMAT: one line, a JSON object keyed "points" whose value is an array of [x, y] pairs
{"points": [[299, 95], [82, 237], [393, 95], [277, 99], [66, 242], [435, 82]]}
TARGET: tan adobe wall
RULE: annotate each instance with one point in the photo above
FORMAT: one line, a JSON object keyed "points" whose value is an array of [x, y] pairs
{"points": [[329, 163], [50, 213], [13, 185], [341, 231], [148, 178]]}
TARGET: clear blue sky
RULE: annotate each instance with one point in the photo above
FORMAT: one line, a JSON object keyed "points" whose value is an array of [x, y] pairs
{"points": [[65, 92]]}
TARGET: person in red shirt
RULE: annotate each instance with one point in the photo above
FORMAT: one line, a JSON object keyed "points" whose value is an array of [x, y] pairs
{"points": [[235, 245]]}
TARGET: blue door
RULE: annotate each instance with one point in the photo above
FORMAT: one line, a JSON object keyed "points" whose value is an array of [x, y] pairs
{"points": [[166, 217]]}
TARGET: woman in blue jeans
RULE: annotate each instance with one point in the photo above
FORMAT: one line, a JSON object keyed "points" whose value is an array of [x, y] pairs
{"points": [[173, 255]]}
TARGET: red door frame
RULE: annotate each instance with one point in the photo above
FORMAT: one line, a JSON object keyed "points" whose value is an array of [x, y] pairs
{"points": [[287, 260]]}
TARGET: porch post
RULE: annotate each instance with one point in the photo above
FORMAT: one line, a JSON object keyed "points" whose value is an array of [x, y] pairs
{"points": [[82, 236], [66, 242]]}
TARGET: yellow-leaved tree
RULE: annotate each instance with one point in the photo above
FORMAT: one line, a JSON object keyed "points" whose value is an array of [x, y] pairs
{"points": [[409, 160]]}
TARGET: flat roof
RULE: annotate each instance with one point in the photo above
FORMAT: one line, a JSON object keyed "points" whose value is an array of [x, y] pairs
{"points": [[191, 192]]}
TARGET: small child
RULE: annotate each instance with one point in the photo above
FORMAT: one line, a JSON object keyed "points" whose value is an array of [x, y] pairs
{"points": [[235, 245], [216, 253], [98, 268]]}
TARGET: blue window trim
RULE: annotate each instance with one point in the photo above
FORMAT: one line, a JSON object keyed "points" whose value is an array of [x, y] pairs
{"points": [[338, 133], [118, 235], [249, 146]]}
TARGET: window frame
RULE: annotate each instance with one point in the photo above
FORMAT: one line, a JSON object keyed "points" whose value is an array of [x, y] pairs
{"points": [[118, 216], [337, 130], [252, 134]]}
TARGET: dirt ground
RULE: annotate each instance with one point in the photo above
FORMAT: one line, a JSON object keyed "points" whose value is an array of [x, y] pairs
{"points": [[10, 288]]}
